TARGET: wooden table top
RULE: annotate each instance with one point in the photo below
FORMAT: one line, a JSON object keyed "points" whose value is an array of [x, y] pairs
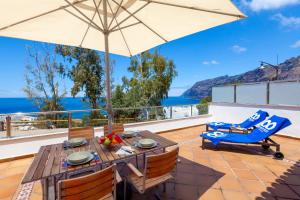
{"points": [[49, 160]]}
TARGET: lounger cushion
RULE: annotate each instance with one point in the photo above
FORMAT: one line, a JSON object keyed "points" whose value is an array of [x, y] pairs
{"points": [[263, 131], [255, 119]]}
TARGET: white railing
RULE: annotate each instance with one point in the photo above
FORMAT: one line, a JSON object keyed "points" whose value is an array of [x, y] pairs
{"points": [[285, 92], [31, 123]]}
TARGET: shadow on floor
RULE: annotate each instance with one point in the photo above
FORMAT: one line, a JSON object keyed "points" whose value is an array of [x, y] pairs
{"points": [[251, 149], [192, 181], [286, 186]]}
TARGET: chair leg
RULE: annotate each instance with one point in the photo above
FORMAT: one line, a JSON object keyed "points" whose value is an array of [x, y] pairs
{"points": [[203, 142], [137, 161], [156, 194], [125, 188], [164, 187]]}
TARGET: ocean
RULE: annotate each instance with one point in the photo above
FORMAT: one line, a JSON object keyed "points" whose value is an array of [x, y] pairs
{"points": [[14, 105]]}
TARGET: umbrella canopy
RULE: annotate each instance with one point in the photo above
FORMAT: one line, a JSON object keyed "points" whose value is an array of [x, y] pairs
{"points": [[124, 27]]}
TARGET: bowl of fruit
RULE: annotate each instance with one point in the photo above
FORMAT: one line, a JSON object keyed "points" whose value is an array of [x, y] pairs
{"points": [[110, 140]]}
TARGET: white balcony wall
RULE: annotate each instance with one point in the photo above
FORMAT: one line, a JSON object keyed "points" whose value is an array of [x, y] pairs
{"points": [[251, 94], [19, 146], [236, 113], [285, 93], [223, 94]]}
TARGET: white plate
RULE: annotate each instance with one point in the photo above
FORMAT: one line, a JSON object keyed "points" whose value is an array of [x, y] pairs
{"points": [[129, 134], [147, 146], [79, 157], [74, 142], [146, 142]]}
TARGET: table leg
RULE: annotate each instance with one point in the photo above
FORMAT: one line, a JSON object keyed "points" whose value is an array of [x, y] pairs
{"points": [[45, 187], [54, 186]]}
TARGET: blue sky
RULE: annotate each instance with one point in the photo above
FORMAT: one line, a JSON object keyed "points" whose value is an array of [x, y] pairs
{"points": [[272, 28]]}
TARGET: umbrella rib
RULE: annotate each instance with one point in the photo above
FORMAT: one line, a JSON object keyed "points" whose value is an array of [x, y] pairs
{"points": [[130, 16], [193, 8], [41, 15], [79, 11], [97, 7], [115, 14], [161, 37], [89, 25], [83, 20], [120, 29]]}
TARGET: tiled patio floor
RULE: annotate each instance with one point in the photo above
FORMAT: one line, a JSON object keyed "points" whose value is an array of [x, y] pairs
{"points": [[229, 172]]}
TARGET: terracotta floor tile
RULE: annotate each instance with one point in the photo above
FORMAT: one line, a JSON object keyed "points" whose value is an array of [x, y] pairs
{"points": [[4, 165], [206, 180], [37, 188], [186, 192], [257, 167], [266, 176], [35, 196], [237, 165], [7, 198], [253, 186], [187, 168], [244, 174], [12, 180], [21, 162], [228, 172], [261, 196], [202, 169], [13, 171], [211, 194], [290, 179], [296, 189], [8, 191], [230, 183], [281, 190], [186, 178], [219, 163], [232, 195]]}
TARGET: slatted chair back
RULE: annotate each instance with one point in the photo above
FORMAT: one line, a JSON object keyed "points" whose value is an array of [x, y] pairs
{"points": [[86, 132], [162, 164], [92, 187], [116, 128]]}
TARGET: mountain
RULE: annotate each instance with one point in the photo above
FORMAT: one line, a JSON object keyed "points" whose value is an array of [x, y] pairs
{"points": [[288, 70]]}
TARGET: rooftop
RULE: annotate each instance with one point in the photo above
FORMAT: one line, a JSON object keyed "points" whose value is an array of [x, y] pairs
{"points": [[229, 172]]}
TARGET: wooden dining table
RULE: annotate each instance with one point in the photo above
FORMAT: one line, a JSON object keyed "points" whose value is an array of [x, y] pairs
{"points": [[49, 163]]}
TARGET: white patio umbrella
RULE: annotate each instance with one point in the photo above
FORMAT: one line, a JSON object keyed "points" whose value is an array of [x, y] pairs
{"points": [[124, 27]]}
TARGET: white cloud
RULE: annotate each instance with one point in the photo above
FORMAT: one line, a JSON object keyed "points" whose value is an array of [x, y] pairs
{"points": [[258, 5], [238, 49], [296, 44], [287, 21], [211, 62]]}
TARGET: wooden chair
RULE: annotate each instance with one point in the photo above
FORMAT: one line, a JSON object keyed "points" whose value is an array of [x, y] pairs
{"points": [[157, 170], [86, 132], [116, 128], [97, 186]]}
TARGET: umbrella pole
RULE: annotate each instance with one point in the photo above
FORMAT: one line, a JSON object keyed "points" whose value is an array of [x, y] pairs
{"points": [[108, 87], [107, 70]]}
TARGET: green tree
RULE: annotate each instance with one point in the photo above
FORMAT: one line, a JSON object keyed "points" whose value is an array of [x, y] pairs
{"points": [[203, 105], [44, 79], [152, 76], [86, 73]]}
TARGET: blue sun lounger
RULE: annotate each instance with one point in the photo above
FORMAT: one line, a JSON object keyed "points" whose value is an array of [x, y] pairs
{"points": [[260, 135], [245, 126]]}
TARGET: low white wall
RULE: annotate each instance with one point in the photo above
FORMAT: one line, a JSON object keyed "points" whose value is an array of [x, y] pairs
{"points": [[236, 113], [14, 147]]}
